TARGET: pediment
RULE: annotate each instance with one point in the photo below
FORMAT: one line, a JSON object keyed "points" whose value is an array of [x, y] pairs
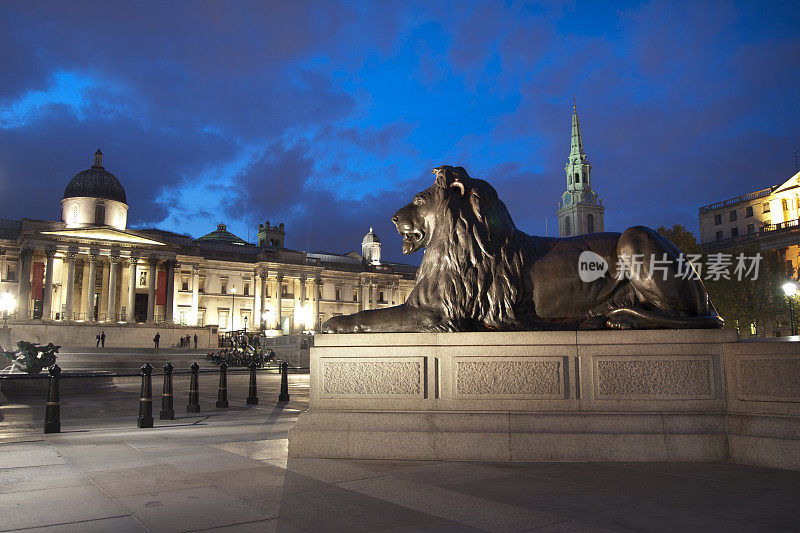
{"points": [[104, 235]]}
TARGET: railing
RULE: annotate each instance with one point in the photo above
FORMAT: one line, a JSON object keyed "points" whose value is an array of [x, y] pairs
{"points": [[737, 200], [729, 242], [781, 226]]}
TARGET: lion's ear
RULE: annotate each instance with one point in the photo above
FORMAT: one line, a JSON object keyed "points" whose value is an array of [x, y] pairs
{"points": [[441, 176]]}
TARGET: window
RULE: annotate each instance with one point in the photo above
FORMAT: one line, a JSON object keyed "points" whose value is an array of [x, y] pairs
{"points": [[223, 318], [100, 214], [355, 295], [380, 297], [733, 215], [338, 294], [143, 278], [590, 222], [11, 272], [751, 228], [223, 289], [766, 207], [201, 286], [183, 316], [748, 211], [734, 232], [717, 220], [567, 227], [184, 283], [719, 235], [246, 291], [284, 291], [201, 317]]}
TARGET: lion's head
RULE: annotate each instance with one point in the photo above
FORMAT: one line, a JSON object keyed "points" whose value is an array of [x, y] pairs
{"points": [[466, 230], [453, 197]]}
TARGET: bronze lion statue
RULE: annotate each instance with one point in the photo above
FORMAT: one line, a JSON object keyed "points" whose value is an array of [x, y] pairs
{"points": [[481, 273]]}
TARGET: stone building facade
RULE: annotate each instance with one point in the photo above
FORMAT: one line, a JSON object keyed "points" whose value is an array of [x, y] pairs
{"points": [[769, 218], [89, 268], [580, 209]]}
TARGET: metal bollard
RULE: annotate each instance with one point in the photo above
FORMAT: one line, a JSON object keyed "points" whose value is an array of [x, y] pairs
{"points": [[167, 412], [222, 393], [145, 419], [284, 395], [194, 391], [252, 397], [52, 413]]}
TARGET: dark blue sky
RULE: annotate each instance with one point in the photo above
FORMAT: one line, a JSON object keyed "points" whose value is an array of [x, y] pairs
{"points": [[328, 115]]}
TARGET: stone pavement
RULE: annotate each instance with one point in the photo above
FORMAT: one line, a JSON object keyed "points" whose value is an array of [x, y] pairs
{"points": [[227, 470]]}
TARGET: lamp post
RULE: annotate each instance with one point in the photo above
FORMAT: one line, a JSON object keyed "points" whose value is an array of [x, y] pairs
{"points": [[790, 290], [233, 304], [245, 324]]}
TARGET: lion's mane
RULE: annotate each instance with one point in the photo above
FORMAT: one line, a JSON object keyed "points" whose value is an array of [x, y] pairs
{"points": [[472, 267]]}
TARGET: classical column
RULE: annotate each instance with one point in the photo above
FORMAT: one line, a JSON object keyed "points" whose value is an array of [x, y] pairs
{"points": [[102, 301], [90, 286], [315, 318], [373, 289], [279, 298], [303, 305], [264, 292], [170, 302], [360, 287], [111, 315], [69, 293], [47, 304], [151, 290], [195, 294], [132, 289], [24, 291]]}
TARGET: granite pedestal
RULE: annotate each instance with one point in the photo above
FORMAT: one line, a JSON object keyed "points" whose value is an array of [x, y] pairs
{"points": [[676, 395]]}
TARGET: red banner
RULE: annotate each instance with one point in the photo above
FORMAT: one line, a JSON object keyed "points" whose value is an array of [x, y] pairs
{"points": [[38, 278], [161, 288]]}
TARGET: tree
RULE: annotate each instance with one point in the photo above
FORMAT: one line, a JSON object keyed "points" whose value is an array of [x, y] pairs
{"points": [[681, 237]]}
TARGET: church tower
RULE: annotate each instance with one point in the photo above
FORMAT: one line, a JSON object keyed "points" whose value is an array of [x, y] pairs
{"points": [[580, 209]]}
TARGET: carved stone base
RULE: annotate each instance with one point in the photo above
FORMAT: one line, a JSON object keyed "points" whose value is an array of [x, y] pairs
{"points": [[690, 395]]}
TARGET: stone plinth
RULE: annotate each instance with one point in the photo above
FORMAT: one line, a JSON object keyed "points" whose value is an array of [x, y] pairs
{"points": [[690, 395]]}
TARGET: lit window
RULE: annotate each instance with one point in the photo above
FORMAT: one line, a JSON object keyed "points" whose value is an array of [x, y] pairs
{"points": [[766, 207]]}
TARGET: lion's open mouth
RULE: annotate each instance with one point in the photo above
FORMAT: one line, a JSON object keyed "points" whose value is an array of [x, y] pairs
{"points": [[411, 240]]}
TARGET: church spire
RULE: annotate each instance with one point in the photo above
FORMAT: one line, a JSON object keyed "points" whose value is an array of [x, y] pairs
{"points": [[576, 147], [98, 158]]}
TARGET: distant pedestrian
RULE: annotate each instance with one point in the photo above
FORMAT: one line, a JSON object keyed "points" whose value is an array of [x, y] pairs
{"points": [[188, 341], [195, 341], [98, 340], [182, 342], [103, 339], [156, 339]]}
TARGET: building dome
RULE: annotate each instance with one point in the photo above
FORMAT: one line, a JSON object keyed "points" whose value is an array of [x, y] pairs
{"points": [[96, 182], [370, 238]]}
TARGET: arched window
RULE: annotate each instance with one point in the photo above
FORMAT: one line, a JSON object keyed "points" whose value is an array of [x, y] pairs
{"points": [[567, 227], [590, 223], [100, 214]]}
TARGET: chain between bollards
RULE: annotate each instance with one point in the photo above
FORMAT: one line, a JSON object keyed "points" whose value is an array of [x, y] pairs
{"points": [[145, 419], [284, 395], [52, 413], [167, 411], [222, 393], [252, 396], [194, 391]]}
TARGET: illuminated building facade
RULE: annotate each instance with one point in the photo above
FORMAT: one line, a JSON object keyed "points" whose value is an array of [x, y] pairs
{"points": [[91, 268]]}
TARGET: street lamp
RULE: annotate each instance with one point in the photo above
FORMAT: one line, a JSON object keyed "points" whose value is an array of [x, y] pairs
{"points": [[245, 323], [7, 305], [233, 305], [790, 290]]}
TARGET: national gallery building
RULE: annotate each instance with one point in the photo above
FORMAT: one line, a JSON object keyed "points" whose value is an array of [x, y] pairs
{"points": [[90, 268]]}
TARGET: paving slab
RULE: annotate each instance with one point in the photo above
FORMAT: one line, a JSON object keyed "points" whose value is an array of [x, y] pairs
{"points": [[227, 470]]}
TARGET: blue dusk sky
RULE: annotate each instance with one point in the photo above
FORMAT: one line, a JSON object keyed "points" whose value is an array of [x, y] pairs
{"points": [[328, 116]]}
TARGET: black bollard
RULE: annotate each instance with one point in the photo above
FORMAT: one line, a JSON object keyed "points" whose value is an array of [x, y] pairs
{"points": [[194, 391], [222, 393], [284, 395], [167, 412], [52, 413], [252, 397], [145, 419]]}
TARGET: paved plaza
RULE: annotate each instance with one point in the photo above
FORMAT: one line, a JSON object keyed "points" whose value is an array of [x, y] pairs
{"points": [[227, 469]]}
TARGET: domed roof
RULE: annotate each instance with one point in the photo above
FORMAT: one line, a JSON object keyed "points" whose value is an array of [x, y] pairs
{"points": [[96, 182], [370, 237], [221, 234]]}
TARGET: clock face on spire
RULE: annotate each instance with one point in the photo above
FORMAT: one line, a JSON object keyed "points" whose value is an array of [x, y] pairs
{"points": [[567, 198]]}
